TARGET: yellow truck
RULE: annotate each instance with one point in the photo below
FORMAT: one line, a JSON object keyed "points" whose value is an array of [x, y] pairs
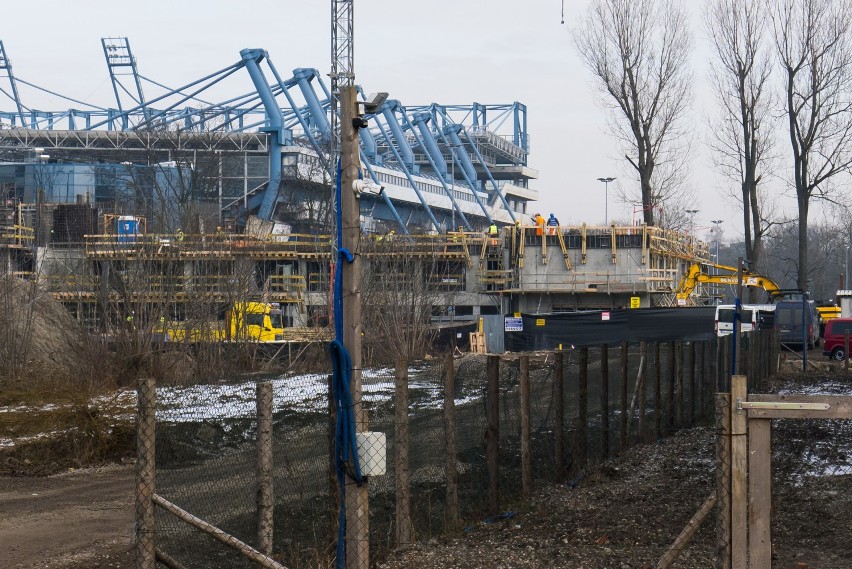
{"points": [[260, 322]]}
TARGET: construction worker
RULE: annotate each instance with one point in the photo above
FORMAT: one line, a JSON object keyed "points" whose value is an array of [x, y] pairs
{"points": [[539, 221], [552, 224], [493, 233]]}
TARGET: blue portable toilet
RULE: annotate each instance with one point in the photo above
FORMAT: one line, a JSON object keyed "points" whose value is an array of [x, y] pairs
{"points": [[128, 228]]}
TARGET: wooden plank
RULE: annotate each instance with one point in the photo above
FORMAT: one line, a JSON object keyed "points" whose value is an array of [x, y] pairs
{"points": [[759, 493], [841, 407], [739, 477]]}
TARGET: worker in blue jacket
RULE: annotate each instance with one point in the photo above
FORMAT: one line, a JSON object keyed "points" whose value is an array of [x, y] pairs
{"points": [[552, 224]]}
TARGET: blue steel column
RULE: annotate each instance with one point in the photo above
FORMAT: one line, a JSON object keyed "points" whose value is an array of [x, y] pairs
{"points": [[439, 165], [252, 58], [460, 156]]}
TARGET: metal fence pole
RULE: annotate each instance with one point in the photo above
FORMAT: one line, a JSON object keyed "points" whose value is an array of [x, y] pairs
{"points": [[145, 475], [265, 499]]}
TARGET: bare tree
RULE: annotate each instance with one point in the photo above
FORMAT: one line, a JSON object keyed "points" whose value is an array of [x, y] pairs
{"points": [[638, 52], [814, 43], [741, 139]]}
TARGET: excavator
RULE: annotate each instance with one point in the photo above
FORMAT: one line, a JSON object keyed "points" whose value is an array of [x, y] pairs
{"points": [[727, 275]]}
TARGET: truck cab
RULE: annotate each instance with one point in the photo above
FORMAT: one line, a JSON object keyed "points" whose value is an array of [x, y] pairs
{"points": [[256, 321]]}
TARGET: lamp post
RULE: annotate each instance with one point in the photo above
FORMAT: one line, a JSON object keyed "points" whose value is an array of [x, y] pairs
{"points": [[692, 213], [717, 223], [606, 182]]}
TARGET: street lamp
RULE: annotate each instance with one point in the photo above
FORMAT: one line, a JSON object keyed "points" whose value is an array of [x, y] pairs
{"points": [[606, 182], [717, 223]]}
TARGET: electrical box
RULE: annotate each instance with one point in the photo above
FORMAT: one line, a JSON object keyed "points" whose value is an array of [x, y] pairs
{"points": [[372, 453]]}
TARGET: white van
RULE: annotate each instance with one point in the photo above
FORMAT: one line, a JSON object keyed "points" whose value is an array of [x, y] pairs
{"points": [[754, 317]]}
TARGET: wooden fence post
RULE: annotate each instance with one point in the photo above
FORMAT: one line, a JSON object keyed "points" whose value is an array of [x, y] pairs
{"points": [[702, 379], [452, 473], [692, 386], [625, 414], [739, 480], [492, 432], [526, 462], [672, 384], [604, 401], [643, 391], [145, 474], [582, 430], [402, 484], [265, 498], [658, 393], [559, 415]]}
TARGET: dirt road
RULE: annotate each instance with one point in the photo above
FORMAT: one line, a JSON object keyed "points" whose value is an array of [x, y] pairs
{"points": [[68, 521]]}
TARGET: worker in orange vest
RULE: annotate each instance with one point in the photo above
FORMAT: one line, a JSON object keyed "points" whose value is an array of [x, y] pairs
{"points": [[539, 221]]}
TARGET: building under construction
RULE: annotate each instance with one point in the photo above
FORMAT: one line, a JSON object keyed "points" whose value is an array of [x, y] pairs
{"points": [[191, 206]]}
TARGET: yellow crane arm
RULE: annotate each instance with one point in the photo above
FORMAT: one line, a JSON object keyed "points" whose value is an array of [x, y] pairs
{"points": [[695, 275]]}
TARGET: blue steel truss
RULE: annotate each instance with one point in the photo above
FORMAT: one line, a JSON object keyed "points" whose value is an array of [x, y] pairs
{"points": [[456, 146]]}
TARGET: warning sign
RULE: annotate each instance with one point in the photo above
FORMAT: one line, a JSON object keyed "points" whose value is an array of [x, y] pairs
{"points": [[539, 321], [635, 302]]}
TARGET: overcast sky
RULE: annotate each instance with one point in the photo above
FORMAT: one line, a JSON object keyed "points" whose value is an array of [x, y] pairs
{"points": [[445, 51]]}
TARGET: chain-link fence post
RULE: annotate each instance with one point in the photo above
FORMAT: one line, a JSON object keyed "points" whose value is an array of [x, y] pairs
{"points": [[146, 418], [265, 499]]}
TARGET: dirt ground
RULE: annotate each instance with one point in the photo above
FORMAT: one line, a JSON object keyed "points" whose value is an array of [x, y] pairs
{"points": [[621, 515], [74, 520]]}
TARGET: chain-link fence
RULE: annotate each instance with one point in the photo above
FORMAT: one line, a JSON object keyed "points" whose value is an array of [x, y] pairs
{"points": [[509, 423]]}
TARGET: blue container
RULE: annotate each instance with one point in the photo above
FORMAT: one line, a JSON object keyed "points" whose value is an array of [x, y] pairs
{"points": [[128, 229]]}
